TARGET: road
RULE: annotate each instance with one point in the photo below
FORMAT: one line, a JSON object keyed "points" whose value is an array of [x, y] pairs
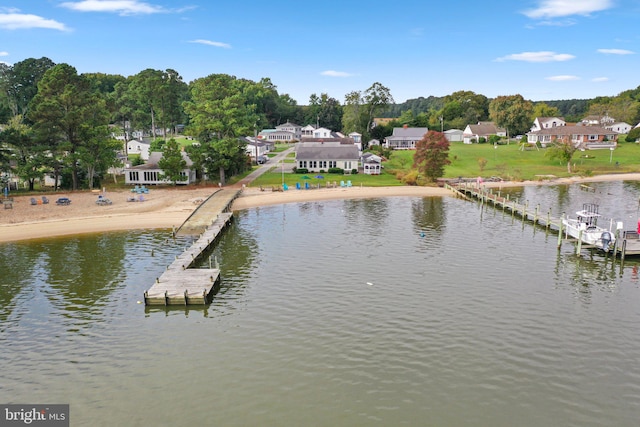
{"points": [[273, 162]]}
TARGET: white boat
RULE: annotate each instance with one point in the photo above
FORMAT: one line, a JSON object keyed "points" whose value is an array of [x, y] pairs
{"points": [[585, 228]]}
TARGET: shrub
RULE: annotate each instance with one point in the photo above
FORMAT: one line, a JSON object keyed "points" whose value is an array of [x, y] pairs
{"points": [[354, 171], [336, 170], [482, 140], [633, 135], [302, 170], [411, 178]]}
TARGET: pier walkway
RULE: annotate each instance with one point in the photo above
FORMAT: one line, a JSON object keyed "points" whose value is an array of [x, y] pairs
{"points": [[180, 283]]}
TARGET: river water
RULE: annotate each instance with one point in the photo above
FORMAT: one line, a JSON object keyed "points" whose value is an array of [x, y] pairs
{"points": [[394, 311]]}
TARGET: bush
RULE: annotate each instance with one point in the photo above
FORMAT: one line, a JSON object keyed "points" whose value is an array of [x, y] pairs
{"points": [[411, 178], [354, 171], [482, 140], [633, 135], [494, 139], [302, 170], [336, 170]]}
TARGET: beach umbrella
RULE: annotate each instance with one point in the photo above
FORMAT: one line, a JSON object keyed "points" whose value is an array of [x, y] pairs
{"points": [[305, 177], [319, 177]]}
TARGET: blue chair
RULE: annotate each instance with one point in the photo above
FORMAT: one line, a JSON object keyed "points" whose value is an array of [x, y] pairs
{"points": [[285, 187], [306, 186], [298, 185], [342, 184], [349, 183]]}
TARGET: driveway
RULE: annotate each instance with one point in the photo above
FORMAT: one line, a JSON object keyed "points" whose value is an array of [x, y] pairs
{"points": [[273, 162]]}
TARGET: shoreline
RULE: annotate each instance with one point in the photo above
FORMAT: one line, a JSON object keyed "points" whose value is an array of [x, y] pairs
{"points": [[170, 207]]}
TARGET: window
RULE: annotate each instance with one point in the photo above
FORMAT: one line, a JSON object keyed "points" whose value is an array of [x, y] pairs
{"points": [[133, 176], [593, 137]]}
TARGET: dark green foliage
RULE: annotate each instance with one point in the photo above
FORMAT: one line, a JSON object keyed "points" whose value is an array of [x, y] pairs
{"points": [[633, 135], [336, 170]]}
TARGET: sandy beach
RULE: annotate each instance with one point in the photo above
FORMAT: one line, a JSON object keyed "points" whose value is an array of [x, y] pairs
{"points": [[170, 207]]}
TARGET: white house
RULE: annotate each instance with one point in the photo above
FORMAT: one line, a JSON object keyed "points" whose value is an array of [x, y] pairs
{"points": [[481, 130], [322, 155], [295, 129], [151, 174], [255, 148], [141, 148], [587, 137], [547, 122], [405, 138], [620, 127]]}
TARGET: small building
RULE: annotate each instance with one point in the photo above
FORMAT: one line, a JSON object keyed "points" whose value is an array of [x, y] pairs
{"points": [[293, 128], [371, 164], [151, 174], [255, 148], [274, 135], [405, 138], [139, 147], [453, 135]]}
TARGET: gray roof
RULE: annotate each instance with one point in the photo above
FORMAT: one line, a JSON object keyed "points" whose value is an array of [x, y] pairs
{"points": [[410, 132], [327, 152]]}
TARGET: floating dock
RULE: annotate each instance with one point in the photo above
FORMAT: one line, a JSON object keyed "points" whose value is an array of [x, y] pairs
{"points": [[181, 284]]}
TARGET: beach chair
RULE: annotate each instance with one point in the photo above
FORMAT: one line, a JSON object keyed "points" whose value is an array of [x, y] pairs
{"points": [[342, 184], [45, 200], [349, 183], [306, 186], [298, 186], [141, 198], [34, 201], [285, 187]]}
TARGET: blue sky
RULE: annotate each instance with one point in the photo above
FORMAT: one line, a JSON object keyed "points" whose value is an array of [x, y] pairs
{"points": [[541, 49]]}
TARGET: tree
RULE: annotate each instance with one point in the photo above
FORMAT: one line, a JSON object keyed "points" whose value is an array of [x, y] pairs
{"points": [[219, 113], [562, 151], [22, 82], [376, 99], [28, 154], [511, 112], [541, 109], [172, 163], [353, 113], [432, 155], [66, 110]]}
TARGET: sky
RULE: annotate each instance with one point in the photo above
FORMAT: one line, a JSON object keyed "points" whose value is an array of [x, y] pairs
{"points": [[540, 49]]}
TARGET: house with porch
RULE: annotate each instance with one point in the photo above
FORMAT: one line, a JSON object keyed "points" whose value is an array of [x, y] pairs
{"points": [[405, 138], [151, 174], [584, 137], [275, 135], [295, 129]]}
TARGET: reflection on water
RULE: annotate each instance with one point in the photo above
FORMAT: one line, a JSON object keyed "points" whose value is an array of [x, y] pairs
{"points": [[414, 311]]}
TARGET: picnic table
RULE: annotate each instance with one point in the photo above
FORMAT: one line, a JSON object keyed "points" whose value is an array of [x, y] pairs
{"points": [[63, 201]]}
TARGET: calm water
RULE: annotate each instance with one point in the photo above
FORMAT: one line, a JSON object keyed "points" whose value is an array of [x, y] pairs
{"points": [[396, 311]]}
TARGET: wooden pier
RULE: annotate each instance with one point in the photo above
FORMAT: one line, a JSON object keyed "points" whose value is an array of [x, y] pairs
{"points": [[180, 283], [626, 242]]}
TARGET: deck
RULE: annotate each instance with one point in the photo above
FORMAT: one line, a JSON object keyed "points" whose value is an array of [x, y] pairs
{"points": [[181, 283]]}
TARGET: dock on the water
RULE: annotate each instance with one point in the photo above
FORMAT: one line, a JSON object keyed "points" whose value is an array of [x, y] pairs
{"points": [[627, 242], [181, 284]]}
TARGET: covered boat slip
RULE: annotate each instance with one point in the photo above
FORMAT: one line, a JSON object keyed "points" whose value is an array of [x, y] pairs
{"points": [[181, 284]]}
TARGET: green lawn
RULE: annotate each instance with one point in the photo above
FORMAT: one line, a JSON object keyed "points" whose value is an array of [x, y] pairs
{"points": [[274, 178]]}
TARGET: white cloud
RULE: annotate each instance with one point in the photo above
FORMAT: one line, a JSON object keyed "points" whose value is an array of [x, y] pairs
{"points": [[600, 79], [332, 73], [559, 8], [211, 43], [564, 78], [615, 51], [4, 53], [122, 7], [21, 21], [544, 56]]}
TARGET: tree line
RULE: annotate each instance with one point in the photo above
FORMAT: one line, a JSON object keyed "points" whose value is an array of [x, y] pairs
{"points": [[59, 122]]}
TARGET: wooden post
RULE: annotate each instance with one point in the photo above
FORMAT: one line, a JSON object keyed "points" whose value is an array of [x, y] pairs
{"points": [[560, 231], [579, 243]]}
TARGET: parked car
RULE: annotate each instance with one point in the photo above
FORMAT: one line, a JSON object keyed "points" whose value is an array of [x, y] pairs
{"points": [[262, 159]]}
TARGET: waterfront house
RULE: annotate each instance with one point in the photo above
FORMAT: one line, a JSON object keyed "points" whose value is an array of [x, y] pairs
{"points": [[405, 138], [316, 156], [547, 122], [473, 133], [584, 137], [151, 174]]}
